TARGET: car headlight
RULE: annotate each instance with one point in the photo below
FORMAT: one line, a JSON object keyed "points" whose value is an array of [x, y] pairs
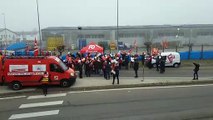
{"points": [[72, 74]]}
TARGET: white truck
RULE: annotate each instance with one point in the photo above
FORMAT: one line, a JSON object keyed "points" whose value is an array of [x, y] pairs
{"points": [[172, 59]]}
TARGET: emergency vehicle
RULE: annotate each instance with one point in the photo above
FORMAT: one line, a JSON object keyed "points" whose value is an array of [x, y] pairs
{"points": [[28, 71]]}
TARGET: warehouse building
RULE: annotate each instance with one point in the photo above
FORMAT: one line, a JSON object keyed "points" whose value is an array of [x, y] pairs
{"points": [[129, 36]]}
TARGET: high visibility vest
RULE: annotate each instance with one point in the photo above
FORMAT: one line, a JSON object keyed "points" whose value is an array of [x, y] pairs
{"points": [[45, 78]]}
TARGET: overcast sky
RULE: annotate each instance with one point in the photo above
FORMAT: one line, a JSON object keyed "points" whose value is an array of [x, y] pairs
{"points": [[21, 15]]}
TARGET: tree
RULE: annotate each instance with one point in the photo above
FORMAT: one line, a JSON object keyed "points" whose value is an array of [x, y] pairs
{"points": [[148, 37]]}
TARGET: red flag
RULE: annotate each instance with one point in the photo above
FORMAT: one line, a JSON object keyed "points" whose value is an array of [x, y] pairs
{"points": [[35, 48]]}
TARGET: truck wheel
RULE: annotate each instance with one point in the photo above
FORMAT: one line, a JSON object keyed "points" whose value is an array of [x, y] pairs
{"points": [[176, 65], [65, 83], [16, 85]]}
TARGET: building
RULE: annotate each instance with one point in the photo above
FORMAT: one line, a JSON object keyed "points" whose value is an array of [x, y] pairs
{"points": [[28, 37], [175, 35], [7, 37]]}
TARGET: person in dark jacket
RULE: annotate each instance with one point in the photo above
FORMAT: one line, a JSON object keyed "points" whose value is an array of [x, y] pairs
{"points": [[126, 62], [162, 64], [136, 66], [107, 70], [196, 69], [80, 68], [143, 58], [157, 62], [87, 68]]}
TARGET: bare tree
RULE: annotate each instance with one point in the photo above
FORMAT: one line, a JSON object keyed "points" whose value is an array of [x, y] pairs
{"points": [[149, 37]]}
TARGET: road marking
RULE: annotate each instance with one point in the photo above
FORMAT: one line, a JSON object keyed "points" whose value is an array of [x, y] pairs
{"points": [[48, 96], [140, 88], [30, 105], [33, 114], [15, 97]]}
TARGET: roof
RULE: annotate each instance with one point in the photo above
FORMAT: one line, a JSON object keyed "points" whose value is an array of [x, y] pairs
{"points": [[2, 29], [129, 27]]}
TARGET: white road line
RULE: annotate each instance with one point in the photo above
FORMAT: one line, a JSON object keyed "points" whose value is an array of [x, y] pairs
{"points": [[15, 97], [30, 105], [48, 96], [33, 114], [141, 88]]}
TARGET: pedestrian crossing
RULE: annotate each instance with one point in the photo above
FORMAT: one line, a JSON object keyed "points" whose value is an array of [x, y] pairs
{"points": [[34, 114], [48, 96], [40, 104], [37, 105]]}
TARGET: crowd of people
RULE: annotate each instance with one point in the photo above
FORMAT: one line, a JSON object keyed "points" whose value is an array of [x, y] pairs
{"points": [[106, 64]]}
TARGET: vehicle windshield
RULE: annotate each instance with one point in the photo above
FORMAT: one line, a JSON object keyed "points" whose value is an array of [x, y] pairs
{"points": [[63, 66]]}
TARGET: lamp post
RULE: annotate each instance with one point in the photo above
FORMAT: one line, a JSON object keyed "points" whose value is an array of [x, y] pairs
{"points": [[117, 37], [39, 26], [5, 30], [176, 47]]}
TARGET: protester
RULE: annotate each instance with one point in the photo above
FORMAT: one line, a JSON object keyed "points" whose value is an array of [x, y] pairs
{"points": [[143, 58], [131, 61], [196, 69], [108, 69], [157, 62], [80, 68], [162, 64], [88, 68], [149, 61], [115, 71], [136, 66], [126, 61]]}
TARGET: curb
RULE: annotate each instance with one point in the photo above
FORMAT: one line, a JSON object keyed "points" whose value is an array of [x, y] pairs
{"points": [[141, 85]]}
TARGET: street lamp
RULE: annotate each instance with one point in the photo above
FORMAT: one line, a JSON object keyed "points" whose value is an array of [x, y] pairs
{"points": [[39, 26], [5, 30], [117, 24], [176, 47]]}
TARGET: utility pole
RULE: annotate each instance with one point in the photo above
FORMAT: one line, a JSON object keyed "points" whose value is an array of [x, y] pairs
{"points": [[117, 37], [39, 26], [5, 30]]}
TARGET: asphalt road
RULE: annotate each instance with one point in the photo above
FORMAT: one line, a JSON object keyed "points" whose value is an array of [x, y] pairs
{"points": [[163, 103]]}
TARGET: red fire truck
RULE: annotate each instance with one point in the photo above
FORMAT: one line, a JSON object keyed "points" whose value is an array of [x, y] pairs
{"points": [[28, 71]]}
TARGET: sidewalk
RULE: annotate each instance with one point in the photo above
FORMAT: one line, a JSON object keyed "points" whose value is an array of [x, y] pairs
{"points": [[100, 81], [91, 83]]}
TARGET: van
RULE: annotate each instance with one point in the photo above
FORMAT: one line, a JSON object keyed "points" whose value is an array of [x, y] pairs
{"points": [[172, 59], [28, 71]]}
